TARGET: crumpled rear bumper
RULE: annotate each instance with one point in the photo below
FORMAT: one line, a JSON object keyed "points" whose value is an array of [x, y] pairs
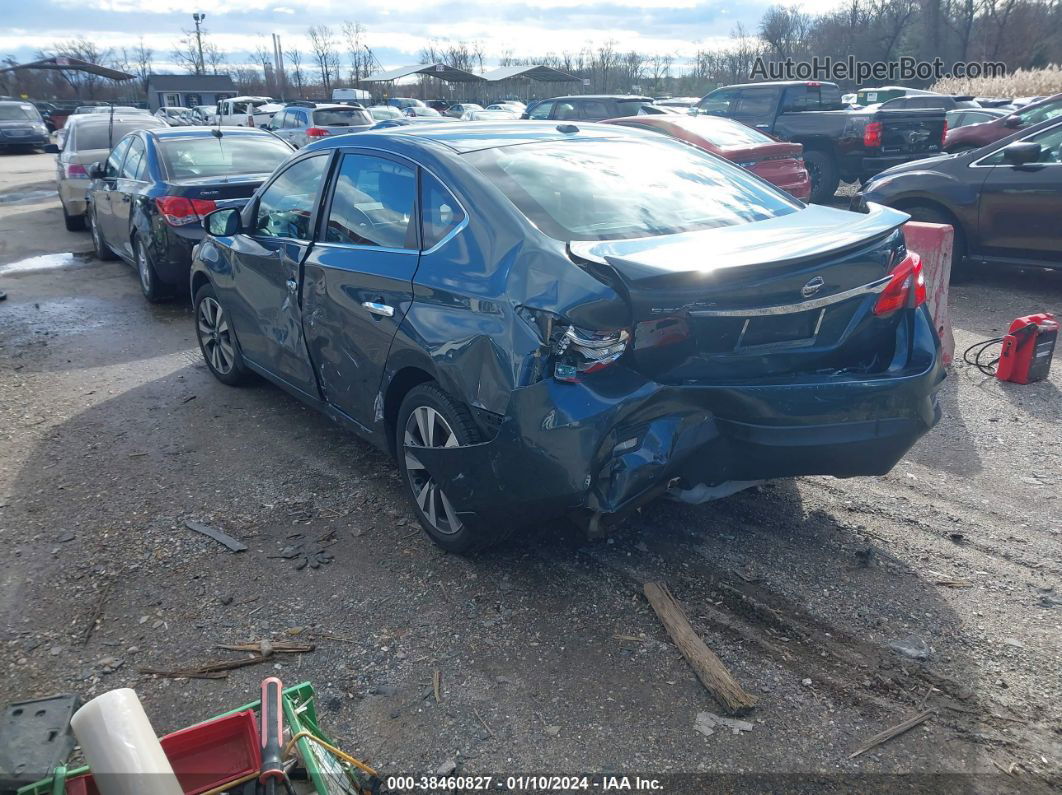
{"points": [[610, 446]]}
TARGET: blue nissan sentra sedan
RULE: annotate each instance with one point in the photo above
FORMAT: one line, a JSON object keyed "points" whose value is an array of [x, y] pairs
{"points": [[542, 319]]}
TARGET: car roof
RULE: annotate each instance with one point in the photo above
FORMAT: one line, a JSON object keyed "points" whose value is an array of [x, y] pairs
{"points": [[462, 138], [202, 131], [103, 119], [638, 97]]}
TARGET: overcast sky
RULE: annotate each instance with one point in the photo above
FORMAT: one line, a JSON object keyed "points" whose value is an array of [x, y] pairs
{"points": [[396, 29]]}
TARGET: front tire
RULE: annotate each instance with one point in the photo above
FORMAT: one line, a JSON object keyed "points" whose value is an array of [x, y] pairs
{"points": [[934, 215], [217, 339], [431, 418], [825, 178], [100, 247]]}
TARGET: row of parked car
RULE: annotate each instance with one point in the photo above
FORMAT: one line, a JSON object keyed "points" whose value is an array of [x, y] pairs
{"points": [[590, 302]]}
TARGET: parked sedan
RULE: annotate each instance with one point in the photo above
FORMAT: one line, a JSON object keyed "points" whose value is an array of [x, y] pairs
{"points": [[305, 123], [490, 115], [779, 162], [589, 107], [419, 111], [176, 116], [21, 126], [383, 112], [974, 136], [88, 139], [459, 109], [524, 315], [961, 117], [147, 200], [1004, 200]]}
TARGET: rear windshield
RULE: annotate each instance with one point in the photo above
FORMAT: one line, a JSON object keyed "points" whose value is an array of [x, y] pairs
{"points": [[341, 117], [613, 190], [723, 132], [96, 136], [186, 158], [19, 113]]}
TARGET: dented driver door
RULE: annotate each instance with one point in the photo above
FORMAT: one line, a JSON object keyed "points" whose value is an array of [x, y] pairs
{"points": [[358, 280]]}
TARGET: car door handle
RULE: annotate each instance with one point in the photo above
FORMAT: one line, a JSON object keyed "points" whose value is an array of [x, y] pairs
{"points": [[383, 310], [293, 285]]}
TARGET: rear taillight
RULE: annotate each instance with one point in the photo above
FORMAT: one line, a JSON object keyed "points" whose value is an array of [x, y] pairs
{"points": [[181, 211], [75, 171], [316, 132], [582, 352], [872, 134], [906, 288]]}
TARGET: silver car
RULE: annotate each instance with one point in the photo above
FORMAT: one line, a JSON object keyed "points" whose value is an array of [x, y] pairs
{"points": [[305, 123], [87, 140]]}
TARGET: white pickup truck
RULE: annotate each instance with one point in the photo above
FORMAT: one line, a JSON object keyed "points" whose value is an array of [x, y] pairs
{"points": [[243, 112]]}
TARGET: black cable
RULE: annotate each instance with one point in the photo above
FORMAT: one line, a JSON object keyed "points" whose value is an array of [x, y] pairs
{"points": [[988, 368]]}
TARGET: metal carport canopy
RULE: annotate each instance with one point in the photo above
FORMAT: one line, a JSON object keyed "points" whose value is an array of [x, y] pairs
{"points": [[62, 62], [543, 74], [440, 70]]}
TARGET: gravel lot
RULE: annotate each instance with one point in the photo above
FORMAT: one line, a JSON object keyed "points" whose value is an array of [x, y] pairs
{"points": [[550, 661]]}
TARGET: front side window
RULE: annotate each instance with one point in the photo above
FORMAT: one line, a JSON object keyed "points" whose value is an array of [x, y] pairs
{"points": [[596, 190], [721, 102], [1048, 110], [541, 111], [440, 212], [286, 207], [133, 158], [114, 159], [373, 204], [1050, 148]]}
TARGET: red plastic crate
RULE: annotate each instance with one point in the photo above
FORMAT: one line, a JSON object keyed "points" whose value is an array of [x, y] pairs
{"points": [[204, 756]]}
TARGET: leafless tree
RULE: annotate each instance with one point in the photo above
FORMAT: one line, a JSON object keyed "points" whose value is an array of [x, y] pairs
{"points": [[323, 46], [298, 77], [362, 61]]}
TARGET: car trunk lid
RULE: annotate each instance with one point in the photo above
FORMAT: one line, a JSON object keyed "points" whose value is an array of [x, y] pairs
{"points": [[787, 295], [235, 186], [911, 131]]}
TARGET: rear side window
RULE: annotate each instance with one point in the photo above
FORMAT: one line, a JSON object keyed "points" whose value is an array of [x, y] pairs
{"points": [[440, 212], [594, 110], [595, 190], [758, 102], [565, 110], [373, 204]]}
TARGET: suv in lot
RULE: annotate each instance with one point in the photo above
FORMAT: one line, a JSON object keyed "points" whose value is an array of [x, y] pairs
{"points": [[305, 122], [589, 107], [839, 143]]}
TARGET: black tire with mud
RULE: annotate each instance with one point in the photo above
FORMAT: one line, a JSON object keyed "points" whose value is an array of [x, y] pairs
{"points": [[825, 177]]}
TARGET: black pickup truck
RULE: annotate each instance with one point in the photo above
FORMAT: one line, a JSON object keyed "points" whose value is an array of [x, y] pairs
{"points": [[839, 142]]}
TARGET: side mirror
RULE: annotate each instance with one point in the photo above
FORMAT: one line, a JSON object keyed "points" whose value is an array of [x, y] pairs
{"points": [[223, 223], [95, 171], [1021, 153], [1012, 121], [51, 149]]}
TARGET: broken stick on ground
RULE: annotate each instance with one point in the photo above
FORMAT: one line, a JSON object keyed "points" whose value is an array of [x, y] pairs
{"points": [[704, 662], [895, 731]]}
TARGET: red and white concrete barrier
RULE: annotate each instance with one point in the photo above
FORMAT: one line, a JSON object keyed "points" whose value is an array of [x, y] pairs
{"points": [[933, 242]]}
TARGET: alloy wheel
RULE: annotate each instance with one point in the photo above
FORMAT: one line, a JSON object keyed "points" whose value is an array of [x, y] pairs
{"points": [[426, 427], [215, 336]]}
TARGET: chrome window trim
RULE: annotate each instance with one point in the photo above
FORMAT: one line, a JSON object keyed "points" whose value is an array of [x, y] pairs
{"points": [[367, 247], [803, 306]]}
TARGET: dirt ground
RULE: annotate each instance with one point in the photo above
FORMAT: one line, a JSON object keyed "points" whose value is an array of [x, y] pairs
{"points": [[549, 659]]}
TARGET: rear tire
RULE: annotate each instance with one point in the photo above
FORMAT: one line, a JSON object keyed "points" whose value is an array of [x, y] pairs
{"points": [[74, 223], [825, 178], [935, 215], [429, 417], [100, 247], [217, 339], [154, 290]]}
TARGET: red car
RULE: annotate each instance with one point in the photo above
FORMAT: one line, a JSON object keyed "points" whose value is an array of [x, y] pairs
{"points": [[974, 136], [779, 162]]}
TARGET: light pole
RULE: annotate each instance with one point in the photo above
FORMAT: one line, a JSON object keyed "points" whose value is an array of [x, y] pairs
{"points": [[199, 17]]}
